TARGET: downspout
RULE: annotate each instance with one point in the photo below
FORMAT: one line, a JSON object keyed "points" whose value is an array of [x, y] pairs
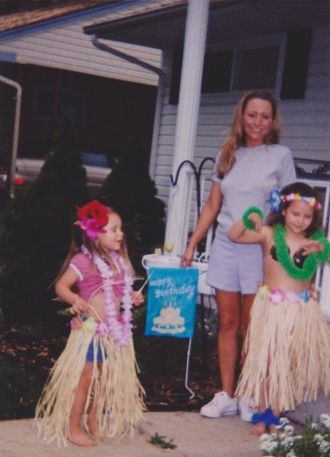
{"points": [[11, 176], [127, 57]]}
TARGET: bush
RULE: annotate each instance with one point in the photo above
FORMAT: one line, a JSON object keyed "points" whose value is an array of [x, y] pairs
{"points": [[130, 190], [37, 231]]}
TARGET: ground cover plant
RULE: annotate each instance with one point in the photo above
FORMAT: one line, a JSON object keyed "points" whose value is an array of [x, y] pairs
{"points": [[313, 440]]}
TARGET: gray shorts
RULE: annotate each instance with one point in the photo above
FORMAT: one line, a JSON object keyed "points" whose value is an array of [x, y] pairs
{"points": [[234, 267]]}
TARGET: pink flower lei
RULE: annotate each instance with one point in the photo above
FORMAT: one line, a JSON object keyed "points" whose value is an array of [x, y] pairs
{"points": [[119, 326]]}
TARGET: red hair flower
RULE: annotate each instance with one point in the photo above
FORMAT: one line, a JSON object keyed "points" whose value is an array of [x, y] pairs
{"points": [[92, 218]]}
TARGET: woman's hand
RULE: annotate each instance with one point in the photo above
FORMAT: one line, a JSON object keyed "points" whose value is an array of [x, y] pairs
{"points": [[137, 298], [206, 219], [187, 257]]}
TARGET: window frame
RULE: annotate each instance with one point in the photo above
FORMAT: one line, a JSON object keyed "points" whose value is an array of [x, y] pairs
{"points": [[258, 42]]}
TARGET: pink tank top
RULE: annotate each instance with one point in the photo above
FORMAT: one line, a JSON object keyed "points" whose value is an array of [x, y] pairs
{"points": [[90, 279]]}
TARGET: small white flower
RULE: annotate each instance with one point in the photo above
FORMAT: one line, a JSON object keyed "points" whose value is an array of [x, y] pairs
{"points": [[265, 437], [325, 420], [324, 447], [284, 421], [289, 429], [291, 454], [287, 442], [318, 437]]}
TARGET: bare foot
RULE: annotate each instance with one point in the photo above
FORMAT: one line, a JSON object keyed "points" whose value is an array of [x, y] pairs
{"points": [[81, 438], [258, 429]]}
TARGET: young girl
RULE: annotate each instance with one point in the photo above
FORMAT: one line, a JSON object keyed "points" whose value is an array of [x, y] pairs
{"points": [[287, 351], [93, 391]]}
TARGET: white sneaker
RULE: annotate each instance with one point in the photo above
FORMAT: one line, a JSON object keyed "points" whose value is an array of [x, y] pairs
{"points": [[220, 405], [246, 409]]}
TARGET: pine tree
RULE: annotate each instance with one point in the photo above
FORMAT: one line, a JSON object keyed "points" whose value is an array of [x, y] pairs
{"points": [[130, 190], [37, 232]]}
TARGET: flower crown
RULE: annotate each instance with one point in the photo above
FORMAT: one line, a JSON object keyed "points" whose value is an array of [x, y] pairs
{"points": [[276, 199], [92, 218]]}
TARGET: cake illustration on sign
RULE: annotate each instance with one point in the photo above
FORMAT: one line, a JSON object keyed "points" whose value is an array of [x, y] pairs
{"points": [[169, 321]]}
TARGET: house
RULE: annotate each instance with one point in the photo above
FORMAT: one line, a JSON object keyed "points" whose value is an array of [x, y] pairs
{"points": [[63, 74], [209, 52], [213, 51]]}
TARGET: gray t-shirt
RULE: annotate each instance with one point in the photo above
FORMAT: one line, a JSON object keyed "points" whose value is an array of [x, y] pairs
{"points": [[255, 173]]}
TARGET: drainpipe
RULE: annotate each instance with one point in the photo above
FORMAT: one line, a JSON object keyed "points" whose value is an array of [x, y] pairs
{"points": [[11, 175], [127, 57]]}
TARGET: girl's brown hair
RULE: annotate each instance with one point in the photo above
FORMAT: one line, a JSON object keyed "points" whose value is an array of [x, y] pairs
{"points": [[80, 238], [237, 135], [302, 189]]}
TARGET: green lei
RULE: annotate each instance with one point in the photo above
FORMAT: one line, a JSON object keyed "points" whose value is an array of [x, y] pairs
{"points": [[312, 260]]}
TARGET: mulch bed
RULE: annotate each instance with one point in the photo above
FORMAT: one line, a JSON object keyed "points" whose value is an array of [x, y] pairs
{"points": [[37, 348]]}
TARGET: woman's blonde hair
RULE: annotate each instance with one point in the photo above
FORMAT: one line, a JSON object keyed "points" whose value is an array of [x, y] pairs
{"points": [[237, 135], [80, 238]]}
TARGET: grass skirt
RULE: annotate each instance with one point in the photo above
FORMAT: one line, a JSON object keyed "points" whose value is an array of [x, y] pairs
{"points": [[115, 386], [287, 351]]}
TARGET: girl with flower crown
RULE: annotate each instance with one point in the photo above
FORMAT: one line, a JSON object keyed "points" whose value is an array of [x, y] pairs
{"points": [[287, 348], [93, 391]]}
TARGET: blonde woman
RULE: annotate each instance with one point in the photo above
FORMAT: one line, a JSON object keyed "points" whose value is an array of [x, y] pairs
{"points": [[249, 164]]}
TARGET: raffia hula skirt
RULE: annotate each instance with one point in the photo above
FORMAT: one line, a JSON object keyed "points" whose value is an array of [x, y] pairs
{"points": [[287, 350], [114, 386]]}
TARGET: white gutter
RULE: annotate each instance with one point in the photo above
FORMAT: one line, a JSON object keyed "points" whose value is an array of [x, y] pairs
{"points": [[127, 57], [11, 176]]}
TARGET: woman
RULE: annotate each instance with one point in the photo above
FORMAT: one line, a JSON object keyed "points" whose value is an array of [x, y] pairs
{"points": [[249, 165]]}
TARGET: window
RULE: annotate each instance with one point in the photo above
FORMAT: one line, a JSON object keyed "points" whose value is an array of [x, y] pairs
{"points": [[217, 71], [256, 68], [69, 104], [278, 62]]}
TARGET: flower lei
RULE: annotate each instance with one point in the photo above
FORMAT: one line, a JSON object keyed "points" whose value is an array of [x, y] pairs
{"points": [[276, 199], [312, 260], [119, 326]]}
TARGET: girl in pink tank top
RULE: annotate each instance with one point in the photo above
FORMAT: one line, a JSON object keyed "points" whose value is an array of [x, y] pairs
{"points": [[95, 377]]}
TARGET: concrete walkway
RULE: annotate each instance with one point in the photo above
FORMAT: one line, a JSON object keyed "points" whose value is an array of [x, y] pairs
{"points": [[193, 435]]}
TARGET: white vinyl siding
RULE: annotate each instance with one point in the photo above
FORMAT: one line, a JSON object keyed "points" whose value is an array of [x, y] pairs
{"points": [[66, 46], [306, 123]]}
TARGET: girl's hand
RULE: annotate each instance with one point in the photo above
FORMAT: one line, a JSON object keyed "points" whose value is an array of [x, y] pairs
{"points": [[79, 305], [257, 221], [312, 246], [187, 257], [137, 298]]}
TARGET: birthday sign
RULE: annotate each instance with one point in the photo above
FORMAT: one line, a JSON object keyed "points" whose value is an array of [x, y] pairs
{"points": [[171, 305]]}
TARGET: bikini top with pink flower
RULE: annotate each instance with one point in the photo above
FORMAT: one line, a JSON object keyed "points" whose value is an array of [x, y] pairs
{"points": [[90, 279]]}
